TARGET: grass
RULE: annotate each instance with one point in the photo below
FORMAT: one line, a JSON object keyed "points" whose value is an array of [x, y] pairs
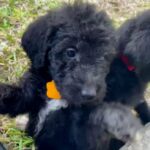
{"points": [[14, 138], [15, 15]]}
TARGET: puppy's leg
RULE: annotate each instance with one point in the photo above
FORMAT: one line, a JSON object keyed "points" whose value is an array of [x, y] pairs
{"points": [[143, 111], [116, 119], [54, 130], [23, 98]]}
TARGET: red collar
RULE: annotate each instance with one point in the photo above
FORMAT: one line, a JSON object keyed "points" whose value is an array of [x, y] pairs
{"points": [[126, 61]]}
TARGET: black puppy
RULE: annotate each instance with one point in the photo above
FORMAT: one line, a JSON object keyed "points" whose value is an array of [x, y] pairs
{"points": [[74, 46], [130, 70]]}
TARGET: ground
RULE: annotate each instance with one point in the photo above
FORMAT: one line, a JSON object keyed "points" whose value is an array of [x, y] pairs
{"points": [[15, 15]]}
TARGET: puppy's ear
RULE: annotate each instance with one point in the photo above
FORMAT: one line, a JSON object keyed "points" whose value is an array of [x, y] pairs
{"points": [[138, 51], [35, 42], [34, 38]]}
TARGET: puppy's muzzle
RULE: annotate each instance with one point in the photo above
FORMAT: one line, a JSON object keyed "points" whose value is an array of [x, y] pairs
{"points": [[88, 93]]}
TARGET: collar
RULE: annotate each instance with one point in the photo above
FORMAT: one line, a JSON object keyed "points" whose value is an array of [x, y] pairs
{"points": [[52, 91], [126, 61]]}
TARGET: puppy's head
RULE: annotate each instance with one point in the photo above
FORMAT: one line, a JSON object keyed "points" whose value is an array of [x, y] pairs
{"points": [[75, 45], [134, 40]]}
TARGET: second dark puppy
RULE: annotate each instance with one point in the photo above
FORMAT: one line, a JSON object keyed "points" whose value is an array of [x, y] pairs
{"points": [[130, 70]]}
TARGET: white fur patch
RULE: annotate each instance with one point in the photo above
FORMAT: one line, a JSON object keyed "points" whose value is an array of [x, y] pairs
{"points": [[52, 105]]}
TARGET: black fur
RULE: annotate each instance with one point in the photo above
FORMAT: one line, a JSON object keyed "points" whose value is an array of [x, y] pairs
{"points": [[74, 46], [127, 86]]}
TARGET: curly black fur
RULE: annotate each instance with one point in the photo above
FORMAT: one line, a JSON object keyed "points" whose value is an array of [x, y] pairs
{"points": [[74, 46], [134, 40], [127, 86]]}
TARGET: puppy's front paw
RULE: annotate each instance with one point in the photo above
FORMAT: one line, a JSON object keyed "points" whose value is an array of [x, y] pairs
{"points": [[116, 119], [121, 122], [7, 96]]}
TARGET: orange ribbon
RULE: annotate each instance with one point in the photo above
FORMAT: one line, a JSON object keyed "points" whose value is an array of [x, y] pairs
{"points": [[52, 91]]}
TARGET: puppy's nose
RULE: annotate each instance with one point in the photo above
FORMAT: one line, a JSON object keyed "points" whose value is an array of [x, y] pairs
{"points": [[88, 93]]}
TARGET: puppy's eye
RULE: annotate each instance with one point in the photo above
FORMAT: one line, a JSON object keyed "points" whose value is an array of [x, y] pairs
{"points": [[71, 52]]}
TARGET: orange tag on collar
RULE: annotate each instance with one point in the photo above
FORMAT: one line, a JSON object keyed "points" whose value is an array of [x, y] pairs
{"points": [[52, 91]]}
